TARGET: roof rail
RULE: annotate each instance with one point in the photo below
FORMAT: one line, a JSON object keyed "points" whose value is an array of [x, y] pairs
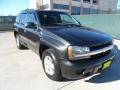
{"points": [[29, 9]]}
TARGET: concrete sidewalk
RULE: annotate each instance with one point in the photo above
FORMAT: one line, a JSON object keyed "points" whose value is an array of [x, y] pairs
{"points": [[22, 70]]}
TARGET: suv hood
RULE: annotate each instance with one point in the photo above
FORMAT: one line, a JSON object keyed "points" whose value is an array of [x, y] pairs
{"points": [[82, 36]]}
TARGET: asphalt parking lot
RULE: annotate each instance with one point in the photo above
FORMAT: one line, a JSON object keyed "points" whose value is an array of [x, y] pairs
{"points": [[22, 70]]}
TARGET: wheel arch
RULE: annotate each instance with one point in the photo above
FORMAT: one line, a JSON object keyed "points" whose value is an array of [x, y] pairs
{"points": [[44, 47], [15, 33]]}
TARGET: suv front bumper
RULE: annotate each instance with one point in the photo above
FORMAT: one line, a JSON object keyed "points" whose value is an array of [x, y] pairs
{"points": [[83, 68]]}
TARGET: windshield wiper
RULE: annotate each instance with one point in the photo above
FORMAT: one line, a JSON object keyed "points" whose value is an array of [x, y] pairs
{"points": [[72, 25]]}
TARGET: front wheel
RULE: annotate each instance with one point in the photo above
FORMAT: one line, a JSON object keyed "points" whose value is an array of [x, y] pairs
{"points": [[50, 65]]}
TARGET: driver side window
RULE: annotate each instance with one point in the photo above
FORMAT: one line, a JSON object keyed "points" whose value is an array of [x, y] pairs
{"points": [[30, 18]]}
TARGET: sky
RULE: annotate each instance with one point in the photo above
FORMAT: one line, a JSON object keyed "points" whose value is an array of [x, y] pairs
{"points": [[13, 7], [118, 4]]}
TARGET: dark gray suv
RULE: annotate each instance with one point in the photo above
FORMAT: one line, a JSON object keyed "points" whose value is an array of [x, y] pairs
{"points": [[66, 48]]}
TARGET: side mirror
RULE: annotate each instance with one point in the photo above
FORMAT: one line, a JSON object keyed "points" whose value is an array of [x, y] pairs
{"points": [[30, 25]]}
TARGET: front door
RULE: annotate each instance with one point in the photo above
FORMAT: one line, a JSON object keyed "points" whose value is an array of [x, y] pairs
{"points": [[32, 34]]}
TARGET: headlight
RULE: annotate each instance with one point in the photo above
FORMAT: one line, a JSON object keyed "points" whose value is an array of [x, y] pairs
{"points": [[74, 52]]}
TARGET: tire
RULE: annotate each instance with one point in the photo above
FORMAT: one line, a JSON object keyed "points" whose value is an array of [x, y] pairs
{"points": [[49, 61], [19, 45]]}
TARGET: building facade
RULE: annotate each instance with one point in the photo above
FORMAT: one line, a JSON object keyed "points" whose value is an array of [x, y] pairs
{"points": [[76, 7]]}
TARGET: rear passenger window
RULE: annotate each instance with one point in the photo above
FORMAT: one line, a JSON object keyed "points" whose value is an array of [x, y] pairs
{"points": [[18, 18], [22, 18], [25, 17]]}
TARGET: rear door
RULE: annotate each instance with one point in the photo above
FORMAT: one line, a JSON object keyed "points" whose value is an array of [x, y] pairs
{"points": [[20, 27]]}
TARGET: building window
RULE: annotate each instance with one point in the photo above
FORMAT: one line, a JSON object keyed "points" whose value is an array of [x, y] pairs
{"points": [[46, 6], [60, 6], [103, 12], [86, 1], [95, 1], [77, 0], [75, 10], [94, 11], [86, 11]]}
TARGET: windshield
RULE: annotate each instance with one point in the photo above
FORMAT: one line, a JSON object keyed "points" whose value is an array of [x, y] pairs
{"points": [[52, 18]]}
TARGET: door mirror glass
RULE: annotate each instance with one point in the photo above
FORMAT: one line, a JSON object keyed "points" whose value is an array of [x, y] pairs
{"points": [[30, 25]]}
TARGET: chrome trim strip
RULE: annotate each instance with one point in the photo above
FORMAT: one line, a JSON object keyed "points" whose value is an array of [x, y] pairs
{"points": [[96, 51]]}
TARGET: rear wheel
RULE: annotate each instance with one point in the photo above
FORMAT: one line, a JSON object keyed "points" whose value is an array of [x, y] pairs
{"points": [[19, 45], [51, 65]]}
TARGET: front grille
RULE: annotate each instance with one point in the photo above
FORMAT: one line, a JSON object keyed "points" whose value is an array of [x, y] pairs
{"points": [[97, 51], [100, 55], [100, 46]]}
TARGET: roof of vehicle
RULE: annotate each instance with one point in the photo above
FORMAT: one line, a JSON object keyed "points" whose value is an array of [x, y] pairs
{"points": [[32, 10]]}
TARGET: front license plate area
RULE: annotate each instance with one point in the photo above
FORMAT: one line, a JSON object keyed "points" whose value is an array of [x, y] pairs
{"points": [[107, 64]]}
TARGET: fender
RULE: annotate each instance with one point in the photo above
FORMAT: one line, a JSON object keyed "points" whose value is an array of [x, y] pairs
{"points": [[55, 42]]}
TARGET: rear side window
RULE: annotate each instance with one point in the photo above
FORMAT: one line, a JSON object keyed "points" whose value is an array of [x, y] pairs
{"points": [[18, 18], [21, 18]]}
